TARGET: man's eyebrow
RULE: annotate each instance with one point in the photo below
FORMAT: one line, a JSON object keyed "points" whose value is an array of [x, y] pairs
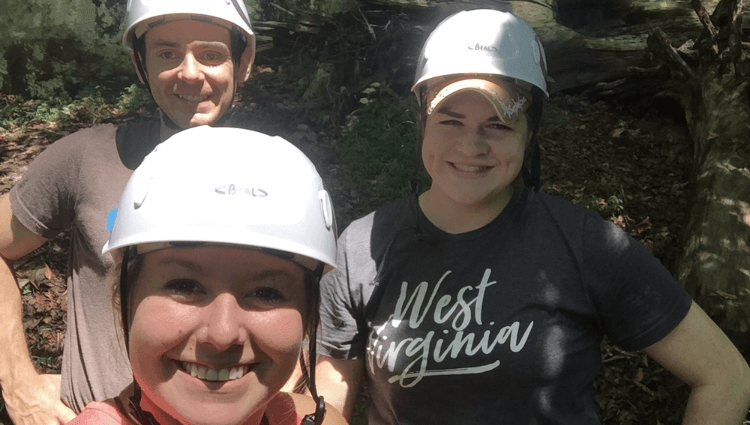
{"points": [[200, 44], [165, 43], [447, 111]]}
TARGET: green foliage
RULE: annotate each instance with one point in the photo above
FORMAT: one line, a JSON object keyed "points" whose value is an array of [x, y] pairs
{"points": [[63, 50], [133, 98], [380, 149], [15, 112]]}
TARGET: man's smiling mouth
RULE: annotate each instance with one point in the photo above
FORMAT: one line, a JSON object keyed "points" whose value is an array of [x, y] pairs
{"points": [[192, 98]]}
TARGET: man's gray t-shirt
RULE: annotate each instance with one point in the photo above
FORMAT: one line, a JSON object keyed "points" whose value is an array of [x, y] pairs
{"points": [[72, 185], [501, 325]]}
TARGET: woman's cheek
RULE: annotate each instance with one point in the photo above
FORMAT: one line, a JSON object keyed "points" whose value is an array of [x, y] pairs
{"points": [[158, 325]]}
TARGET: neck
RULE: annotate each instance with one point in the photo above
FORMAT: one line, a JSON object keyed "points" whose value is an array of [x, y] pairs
{"points": [[455, 218], [167, 130]]}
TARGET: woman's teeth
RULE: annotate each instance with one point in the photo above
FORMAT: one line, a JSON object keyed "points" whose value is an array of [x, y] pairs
{"points": [[226, 374], [469, 168]]}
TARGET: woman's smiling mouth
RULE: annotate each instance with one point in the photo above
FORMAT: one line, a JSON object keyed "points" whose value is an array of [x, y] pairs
{"points": [[219, 375], [469, 168]]}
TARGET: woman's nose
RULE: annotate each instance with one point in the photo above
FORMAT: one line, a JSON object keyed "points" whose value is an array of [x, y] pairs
{"points": [[222, 326], [473, 144]]}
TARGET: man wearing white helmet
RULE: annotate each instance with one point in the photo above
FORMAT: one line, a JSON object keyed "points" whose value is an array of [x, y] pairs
{"points": [[192, 54], [485, 301]]}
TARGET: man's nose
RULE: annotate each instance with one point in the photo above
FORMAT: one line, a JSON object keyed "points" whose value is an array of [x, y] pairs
{"points": [[190, 68]]}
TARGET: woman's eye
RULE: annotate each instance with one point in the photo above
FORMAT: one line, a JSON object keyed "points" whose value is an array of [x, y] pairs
{"points": [[268, 295], [184, 287], [451, 122], [499, 126]]}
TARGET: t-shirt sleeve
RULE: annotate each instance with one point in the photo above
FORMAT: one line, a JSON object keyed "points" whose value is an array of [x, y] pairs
{"points": [[343, 328], [637, 299], [43, 200]]}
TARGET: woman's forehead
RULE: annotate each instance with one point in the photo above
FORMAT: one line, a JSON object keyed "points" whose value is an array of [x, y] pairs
{"points": [[508, 99], [208, 258]]}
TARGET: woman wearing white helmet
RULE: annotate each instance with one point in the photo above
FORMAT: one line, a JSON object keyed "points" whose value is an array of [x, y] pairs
{"points": [[483, 300], [218, 255], [192, 54]]}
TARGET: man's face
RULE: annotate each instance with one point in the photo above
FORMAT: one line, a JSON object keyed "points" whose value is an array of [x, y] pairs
{"points": [[190, 71]]}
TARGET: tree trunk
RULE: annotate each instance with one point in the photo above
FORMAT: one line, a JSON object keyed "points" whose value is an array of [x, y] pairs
{"points": [[715, 267]]}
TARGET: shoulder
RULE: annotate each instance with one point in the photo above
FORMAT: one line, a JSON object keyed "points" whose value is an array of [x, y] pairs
{"points": [[101, 132], [72, 152], [559, 206], [543, 211], [99, 413], [381, 222], [83, 139], [305, 405]]}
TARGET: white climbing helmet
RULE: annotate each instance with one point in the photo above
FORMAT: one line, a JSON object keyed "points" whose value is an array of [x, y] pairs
{"points": [[145, 14], [482, 41], [227, 186]]}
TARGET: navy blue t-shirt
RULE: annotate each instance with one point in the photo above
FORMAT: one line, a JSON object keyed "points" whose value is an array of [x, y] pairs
{"points": [[499, 325]]}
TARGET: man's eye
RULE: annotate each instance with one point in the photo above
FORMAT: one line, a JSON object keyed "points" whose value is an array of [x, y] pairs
{"points": [[268, 295], [213, 57], [167, 55], [184, 287]]}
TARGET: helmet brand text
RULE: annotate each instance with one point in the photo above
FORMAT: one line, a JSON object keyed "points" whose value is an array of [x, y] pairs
{"points": [[483, 48], [231, 189]]}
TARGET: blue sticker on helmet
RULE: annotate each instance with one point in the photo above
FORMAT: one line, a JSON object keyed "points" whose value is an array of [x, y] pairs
{"points": [[111, 219]]}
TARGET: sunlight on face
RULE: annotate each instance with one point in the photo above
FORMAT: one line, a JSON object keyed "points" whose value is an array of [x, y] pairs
{"points": [[472, 156], [190, 71], [215, 331]]}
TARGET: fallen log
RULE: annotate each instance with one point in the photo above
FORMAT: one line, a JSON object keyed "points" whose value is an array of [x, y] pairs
{"points": [[713, 76], [587, 41]]}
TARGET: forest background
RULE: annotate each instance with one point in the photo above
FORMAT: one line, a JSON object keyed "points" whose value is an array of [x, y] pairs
{"points": [[333, 78]]}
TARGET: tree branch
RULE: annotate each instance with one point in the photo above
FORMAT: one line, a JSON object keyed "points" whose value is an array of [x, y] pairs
{"points": [[707, 24], [671, 52], [735, 37]]}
